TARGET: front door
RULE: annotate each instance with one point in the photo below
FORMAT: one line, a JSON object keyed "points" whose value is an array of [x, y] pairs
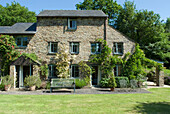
{"points": [[94, 75], [22, 72]]}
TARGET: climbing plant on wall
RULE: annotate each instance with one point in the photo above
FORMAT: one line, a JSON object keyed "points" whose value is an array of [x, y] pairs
{"points": [[7, 52]]}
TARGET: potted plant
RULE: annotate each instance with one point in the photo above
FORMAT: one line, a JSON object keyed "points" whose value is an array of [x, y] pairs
{"points": [[32, 82], [112, 83], [8, 81]]}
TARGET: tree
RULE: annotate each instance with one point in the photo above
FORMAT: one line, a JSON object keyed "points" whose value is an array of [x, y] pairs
{"points": [[109, 7], [146, 28], [14, 13], [167, 25]]}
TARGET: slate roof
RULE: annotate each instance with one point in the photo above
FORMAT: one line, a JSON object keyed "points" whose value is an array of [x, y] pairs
{"points": [[19, 28], [72, 13]]}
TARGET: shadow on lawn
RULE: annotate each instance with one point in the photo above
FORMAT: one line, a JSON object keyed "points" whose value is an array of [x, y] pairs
{"points": [[153, 107]]}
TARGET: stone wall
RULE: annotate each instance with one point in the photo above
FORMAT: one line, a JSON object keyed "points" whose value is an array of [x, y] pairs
{"points": [[88, 30]]}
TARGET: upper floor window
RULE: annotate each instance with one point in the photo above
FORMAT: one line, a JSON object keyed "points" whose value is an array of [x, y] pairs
{"points": [[74, 71], [21, 41], [72, 24], [95, 48], [118, 48], [74, 47], [53, 47], [52, 71]]}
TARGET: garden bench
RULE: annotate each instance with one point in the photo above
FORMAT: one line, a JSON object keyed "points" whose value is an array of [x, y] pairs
{"points": [[62, 83]]}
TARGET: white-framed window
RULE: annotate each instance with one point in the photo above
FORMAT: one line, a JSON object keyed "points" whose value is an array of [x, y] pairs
{"points": [[118, 48], [75, 71], [52, 71], [74, 47], [118, 70], [53, 47], [72, 24], [95, 48], [21, 41]]}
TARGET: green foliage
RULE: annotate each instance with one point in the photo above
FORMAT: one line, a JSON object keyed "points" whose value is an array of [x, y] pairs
{"points": [[32, 81], [167, 25], [109, 82], [85, 72], [7, 52], [44, 71], [109, 7], [8, 80], [135, 66], [105, 59], [48, 85], [15, 13], [121, 78], [104, 82], [80, 83], [62, 62], [2, 87]]}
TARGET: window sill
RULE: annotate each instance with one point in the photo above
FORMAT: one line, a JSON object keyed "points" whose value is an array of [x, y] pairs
{"points": [[71, 29], [74, 53], [21, 47], [51, 53], [120, 54]]}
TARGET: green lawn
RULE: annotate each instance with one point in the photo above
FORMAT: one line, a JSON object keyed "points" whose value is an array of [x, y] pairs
{"points": [[156, 102]]}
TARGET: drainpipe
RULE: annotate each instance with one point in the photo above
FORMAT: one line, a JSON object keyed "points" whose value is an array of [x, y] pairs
{"points": [[105, 24]]}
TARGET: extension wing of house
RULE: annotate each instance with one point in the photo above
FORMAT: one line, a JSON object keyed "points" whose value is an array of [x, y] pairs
{"points": [[76, 29]]}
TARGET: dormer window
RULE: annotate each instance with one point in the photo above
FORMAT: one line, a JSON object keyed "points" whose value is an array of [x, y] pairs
{"points": [[72, 24]]}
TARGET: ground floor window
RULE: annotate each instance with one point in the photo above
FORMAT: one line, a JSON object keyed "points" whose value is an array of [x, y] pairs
{"points": [[118, 70], [52, 70], [74, 71]]}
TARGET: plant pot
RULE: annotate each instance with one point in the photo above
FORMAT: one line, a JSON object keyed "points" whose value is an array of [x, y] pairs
{"points": [[7, 87], [32, 88], [112, 89]]}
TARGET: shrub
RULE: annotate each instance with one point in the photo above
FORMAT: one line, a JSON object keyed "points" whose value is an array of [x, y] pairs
{"points": [[120, 78], [48, 85], [32, 81], [8, 80], [104, 82], [167, 80], [2, 86], [80, 83], [108, 82]]}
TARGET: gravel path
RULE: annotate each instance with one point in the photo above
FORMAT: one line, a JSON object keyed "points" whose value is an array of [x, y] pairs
{"points": [[78, 91]]}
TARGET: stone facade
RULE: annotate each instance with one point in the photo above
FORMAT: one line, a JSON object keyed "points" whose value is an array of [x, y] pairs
{"points": [[88, 30]]}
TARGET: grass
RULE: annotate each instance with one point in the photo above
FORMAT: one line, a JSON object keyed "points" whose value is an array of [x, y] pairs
{"points": [[156, 102]]}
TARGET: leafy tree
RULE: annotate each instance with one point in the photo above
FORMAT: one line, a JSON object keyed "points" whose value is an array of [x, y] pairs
{"points": [[14, 13], [167, 25], [109, 7]]}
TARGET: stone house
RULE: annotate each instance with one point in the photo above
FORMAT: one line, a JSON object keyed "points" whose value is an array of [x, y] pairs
{"points": [[76, 29]]}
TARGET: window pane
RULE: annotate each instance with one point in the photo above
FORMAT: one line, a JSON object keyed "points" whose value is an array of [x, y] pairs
{"points": [[54, 47], [98, 47], [25, 42], [75, 71], [18, 41], [93, 48], [73, 24]]}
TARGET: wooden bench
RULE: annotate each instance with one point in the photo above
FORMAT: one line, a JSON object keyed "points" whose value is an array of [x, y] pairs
{"points": [[62, 83]]}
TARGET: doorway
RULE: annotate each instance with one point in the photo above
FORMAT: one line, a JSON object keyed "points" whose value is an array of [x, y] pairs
{"points": [[94, 75]]}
